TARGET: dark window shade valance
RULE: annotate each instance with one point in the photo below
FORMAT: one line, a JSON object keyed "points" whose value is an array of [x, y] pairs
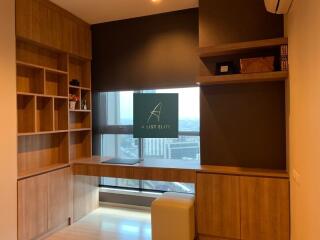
{"points": [[158, 51]]}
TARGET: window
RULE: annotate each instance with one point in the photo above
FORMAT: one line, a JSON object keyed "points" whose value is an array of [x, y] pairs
{"points": [[115, 124]]}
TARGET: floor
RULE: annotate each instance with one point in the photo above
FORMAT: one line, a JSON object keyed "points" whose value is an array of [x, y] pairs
{"points": [[109, 223]]}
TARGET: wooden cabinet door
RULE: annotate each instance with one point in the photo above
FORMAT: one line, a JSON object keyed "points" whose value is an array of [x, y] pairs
{"points": [[218, 205], [59, 197], [32, 207], [85, 195], [264, 208]]}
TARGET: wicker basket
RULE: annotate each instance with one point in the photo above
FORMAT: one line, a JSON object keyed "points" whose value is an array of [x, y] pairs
{"points": [[256, 65]]}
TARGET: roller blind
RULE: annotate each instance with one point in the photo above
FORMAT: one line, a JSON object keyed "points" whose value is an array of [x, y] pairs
{"points": [[158, 51]]}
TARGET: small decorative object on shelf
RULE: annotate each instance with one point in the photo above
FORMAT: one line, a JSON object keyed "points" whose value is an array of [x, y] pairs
{"points": [[73, 99], [224, 68], [74, 82], [84, 104], [284, 57], [257, 65]]}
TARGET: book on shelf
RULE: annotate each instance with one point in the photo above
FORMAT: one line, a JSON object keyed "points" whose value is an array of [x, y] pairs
{"points": [[284, 57]]}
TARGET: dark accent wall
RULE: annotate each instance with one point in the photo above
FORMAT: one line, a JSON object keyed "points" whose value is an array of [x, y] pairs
{"points": [[148, 52], [225, 21], [243, 125]]}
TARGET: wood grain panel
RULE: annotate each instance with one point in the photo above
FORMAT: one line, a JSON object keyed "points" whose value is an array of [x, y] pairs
{"points": [[26, 108], [61, 120], [32, 207], [44, 114], [218, 205], [243, 78], [201, 237], [39, 151], [41, 56], [80, 145], [45, 23], [81, 70], [264, 208], [135, 172], [80, 120], [30, 79], [59, 197], [85, 195], [240, 47], [56, 84]]}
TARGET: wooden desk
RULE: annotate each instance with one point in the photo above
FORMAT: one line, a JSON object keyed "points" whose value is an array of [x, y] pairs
{"points": [[160, 170], [163, 170]]}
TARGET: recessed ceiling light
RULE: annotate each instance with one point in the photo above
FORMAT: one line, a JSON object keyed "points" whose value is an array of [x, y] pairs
{"points": [[156, 1]]}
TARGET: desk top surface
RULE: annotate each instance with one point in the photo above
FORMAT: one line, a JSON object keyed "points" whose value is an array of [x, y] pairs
{"points": [[186, 165]]}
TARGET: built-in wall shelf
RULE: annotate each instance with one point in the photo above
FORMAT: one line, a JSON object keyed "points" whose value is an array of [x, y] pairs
{"points": [[240, 47], [41, 133], [80, 129], [35, 66], [50, 134], [41, 95], [78, 87], [242, 78], [80, 110], [42, 170]]}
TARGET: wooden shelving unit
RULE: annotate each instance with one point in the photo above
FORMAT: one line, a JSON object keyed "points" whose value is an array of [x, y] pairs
{"points": [[240, 47], [242, 78], [214, 54], [49, 134], [234, 94]]}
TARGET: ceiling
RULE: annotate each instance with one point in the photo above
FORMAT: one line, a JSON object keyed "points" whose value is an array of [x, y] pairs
{"points": [[98, 11]]}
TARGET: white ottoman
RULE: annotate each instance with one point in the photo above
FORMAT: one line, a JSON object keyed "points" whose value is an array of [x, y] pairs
{"points": [[172, 217]]}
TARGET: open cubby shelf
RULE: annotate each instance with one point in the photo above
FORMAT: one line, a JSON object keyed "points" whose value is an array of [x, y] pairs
{"points": [[33, 54], [26, 113], [60, 114], [85, 96], [30, 79], [240, 47], [80, 70], [44, 114], [79, 120], [56, 84], [76, 92], [80, 145], [36, 152]]}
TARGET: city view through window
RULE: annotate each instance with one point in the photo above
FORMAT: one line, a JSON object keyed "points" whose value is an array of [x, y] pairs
{"points": [[119, 116]]}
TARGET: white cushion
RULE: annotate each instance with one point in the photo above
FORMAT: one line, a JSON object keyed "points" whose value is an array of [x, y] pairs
{"points": [[173, 217]]}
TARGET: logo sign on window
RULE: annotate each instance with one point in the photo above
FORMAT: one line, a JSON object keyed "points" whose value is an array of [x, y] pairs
{"points": [[155, 115]]}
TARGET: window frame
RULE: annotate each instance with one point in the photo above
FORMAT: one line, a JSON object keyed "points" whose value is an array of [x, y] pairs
{"points": [[128, 130]]}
